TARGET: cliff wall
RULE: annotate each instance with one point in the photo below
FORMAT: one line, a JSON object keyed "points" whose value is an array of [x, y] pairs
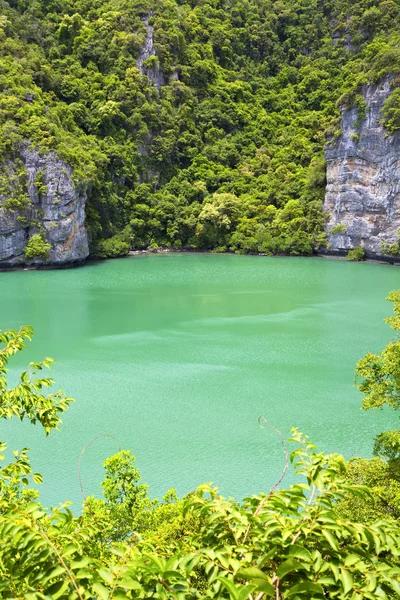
{"points": [[153, 71], [363, 179], [38, 196]]}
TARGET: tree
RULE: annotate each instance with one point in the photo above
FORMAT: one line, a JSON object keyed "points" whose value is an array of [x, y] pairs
{"points": [[26, 400], [379, 380], [125, 500], [218, 218], [379, 374], [380, 384]]}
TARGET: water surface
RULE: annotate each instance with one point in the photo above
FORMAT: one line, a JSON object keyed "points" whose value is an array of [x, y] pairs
{"points": [[178, 355]]}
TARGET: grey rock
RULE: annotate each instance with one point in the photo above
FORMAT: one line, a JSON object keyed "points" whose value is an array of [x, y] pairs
{"points": [[58, 214], [363, 178], [154, 72]]}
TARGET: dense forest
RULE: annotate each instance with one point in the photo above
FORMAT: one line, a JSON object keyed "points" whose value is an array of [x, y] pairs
{"points": [[190, 123], [335, 533]]}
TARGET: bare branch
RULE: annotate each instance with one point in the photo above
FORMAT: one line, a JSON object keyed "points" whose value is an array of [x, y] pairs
{"points": [[262, 420], [83, 452]]}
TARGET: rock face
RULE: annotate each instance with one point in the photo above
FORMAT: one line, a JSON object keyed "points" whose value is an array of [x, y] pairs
{"points": [[51, 204], [152, 71], [363, 179]]}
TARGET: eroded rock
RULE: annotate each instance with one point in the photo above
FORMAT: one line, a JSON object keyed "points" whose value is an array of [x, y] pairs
{"points": [[363, 179], [147, 51], [50, 204]]}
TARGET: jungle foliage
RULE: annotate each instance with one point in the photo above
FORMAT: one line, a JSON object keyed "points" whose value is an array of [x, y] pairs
{"points": [[216, 141]]}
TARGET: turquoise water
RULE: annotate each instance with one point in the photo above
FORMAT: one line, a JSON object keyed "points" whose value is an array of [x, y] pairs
{"points": [[178, 355]]}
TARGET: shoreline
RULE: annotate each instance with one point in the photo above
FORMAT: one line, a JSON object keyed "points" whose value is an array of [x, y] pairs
{"points": [[327, 254]]}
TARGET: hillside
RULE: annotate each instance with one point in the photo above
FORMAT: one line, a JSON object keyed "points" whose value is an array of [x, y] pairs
{"points": [[185, 124]]}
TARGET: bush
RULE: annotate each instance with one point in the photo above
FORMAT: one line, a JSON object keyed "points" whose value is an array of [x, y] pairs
{"points": [[339, 228], [357, 253], [112, 248], [390, 249], [37, 247], [391, 112], [384, 485]]}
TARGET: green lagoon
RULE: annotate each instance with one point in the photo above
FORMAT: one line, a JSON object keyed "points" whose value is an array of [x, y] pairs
{"points": [[177, 356]]}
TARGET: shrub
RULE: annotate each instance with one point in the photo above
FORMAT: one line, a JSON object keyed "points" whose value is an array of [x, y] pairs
{"points": [[339, 228], [40, 183], [357, 253], [390, 249], [112, 248], [391, 112], [37, 247]]}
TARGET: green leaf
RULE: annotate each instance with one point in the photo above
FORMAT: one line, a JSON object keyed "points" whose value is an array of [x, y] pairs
{"points": [[167, 575], [305, 586], [245, 592], [331, 539], [38, 514], [56, 590], [289, 566], [351, 560], [80, 562], [58, 570], [347, 581], [130, 584], [371, 578], [251, 573], [106, 575], [258, 578], [299, 552], [84, 574], [264, 586], [326, 580], [37, 478], [69, 549], [232, 590], [102, 591]]}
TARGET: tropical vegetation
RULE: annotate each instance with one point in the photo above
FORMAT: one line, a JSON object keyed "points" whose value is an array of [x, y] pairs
{"points": [[191, 123]]}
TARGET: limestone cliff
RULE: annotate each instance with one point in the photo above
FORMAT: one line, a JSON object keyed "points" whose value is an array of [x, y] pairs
{"points": [[363, 178], [152, 70], [38, 195]]}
